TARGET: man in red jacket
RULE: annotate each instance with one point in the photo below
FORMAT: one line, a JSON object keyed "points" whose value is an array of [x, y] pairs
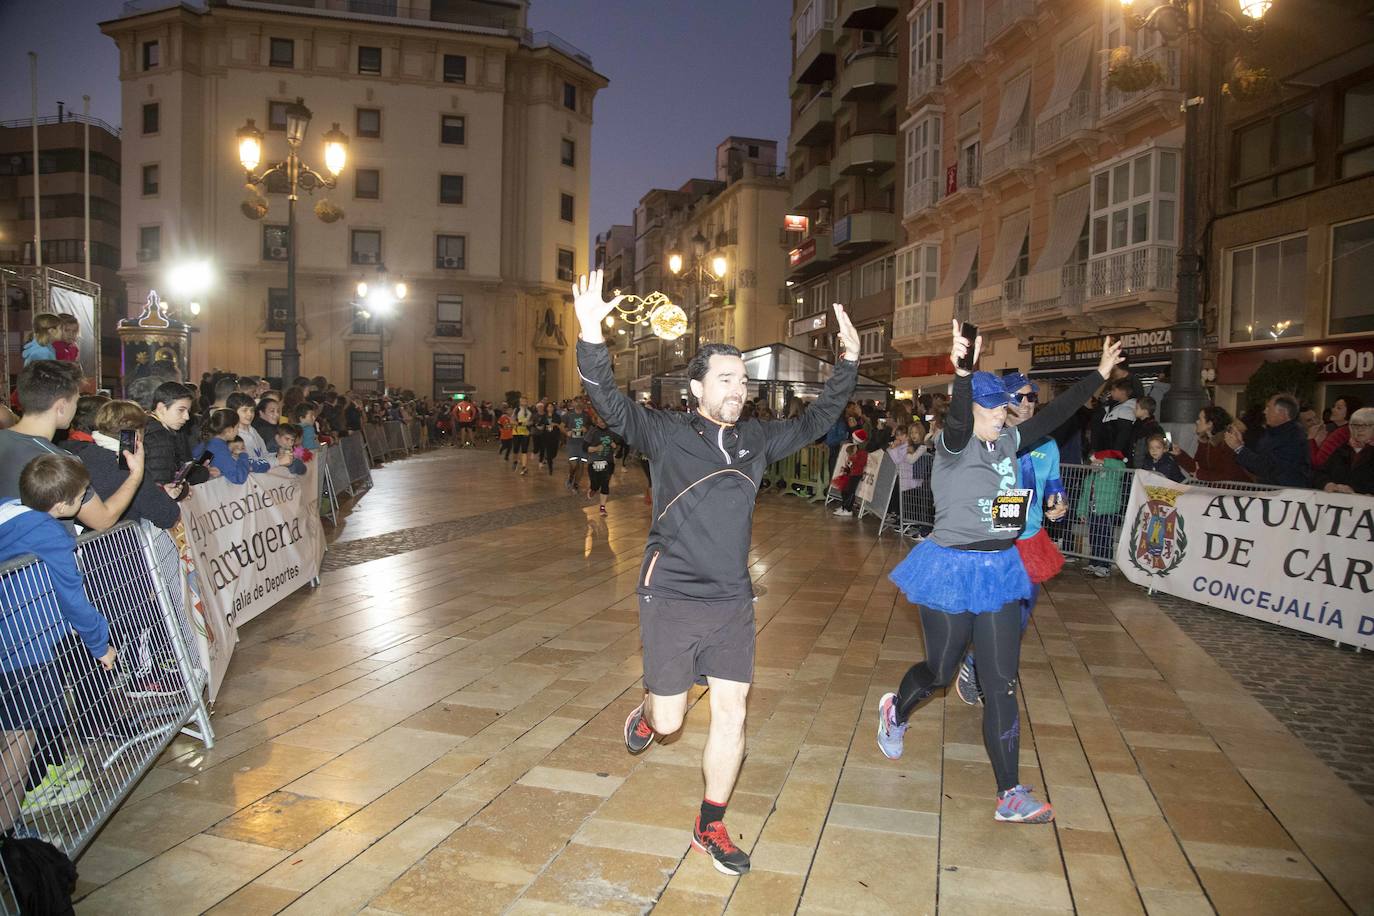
{"points": [[464, 422]]}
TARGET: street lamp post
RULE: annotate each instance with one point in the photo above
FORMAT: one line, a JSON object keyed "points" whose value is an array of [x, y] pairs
{"points": [[299, 177], [701, 277], [1202, 26], [378, 300]]}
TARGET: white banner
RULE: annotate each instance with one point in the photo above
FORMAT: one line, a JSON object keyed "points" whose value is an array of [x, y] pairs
{"points": [[254, 543], [83, 307], [870, 478], [1302, 559]]}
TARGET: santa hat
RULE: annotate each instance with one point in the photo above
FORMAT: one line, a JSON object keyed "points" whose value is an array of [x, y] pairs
{"points": [[1107, 453], [860, 436]]}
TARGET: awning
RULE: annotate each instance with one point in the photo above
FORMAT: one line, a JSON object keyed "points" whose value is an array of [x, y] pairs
{"points": [[1014, 97], [965, 253], [1070, 68], [1009, 239], [1066, 226]]}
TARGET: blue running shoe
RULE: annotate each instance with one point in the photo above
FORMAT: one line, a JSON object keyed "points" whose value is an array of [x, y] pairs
{"points": [[966, 685], [890, 734], [1018, 806]]}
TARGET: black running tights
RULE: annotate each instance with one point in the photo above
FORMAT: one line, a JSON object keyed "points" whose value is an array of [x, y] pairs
{"points": [[997, 641]]}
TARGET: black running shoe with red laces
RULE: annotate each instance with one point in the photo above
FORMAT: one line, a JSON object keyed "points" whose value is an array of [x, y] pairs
{"points": [[638, 734], [714, 840]]}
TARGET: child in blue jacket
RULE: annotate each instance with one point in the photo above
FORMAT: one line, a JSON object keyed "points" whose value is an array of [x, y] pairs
{"points": [[221, 426], [51, 487]]}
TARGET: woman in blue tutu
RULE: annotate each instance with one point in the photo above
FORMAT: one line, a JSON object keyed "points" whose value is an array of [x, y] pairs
{"points": [[967, 579]]}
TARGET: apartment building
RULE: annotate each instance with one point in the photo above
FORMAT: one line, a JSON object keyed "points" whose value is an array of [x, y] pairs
{"points": [[1040, 193], [847, 86], [467, 178], [1292, 240], [733, 221], [61, 184], [614, 253]]}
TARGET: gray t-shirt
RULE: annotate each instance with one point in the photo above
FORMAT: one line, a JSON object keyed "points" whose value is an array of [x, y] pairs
{"points": [[17, 450], [967, 484]]}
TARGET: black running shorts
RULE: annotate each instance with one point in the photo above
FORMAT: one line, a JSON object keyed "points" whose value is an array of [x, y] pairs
{"points": [[520, 445], [688, 641]]}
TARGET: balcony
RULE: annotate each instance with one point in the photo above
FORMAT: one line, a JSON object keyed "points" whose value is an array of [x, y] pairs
{"points": [[1136, 274], [1002, 16], [1163, 96], [921, 195], [964, 50], [1010, 154], [1049, 295], [869, 73], [1075, 124], [866, 14], [963, 186], [865, 154], [815, 61], [812, 256], [924, 80], [862, 231], [812, 188], [990, 306], [815, 123], [943, 311], [909, 324]]}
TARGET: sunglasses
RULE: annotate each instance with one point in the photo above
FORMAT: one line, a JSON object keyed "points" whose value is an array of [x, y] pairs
{"points": [[1028, 398]]}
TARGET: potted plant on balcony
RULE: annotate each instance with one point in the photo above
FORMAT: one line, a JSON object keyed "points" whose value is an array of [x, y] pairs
{"points": [[1126, 72], [328, 211]]}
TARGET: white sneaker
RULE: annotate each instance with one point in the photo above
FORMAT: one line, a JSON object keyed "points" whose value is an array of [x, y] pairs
{"points": [[1101, 572], [842, 513]]}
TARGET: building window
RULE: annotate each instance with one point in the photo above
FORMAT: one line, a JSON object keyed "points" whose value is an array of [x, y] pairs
{"points": [[448, 315], [1352, 277], [565, 264], [453, 129], [151, 118], [281, 52], [276, 115], [1357, 130], [271, 364], [565, 207], [1274, 158], [451, 252], [276, 309], [922, 165], [569, 152], [150, 243], [918, 274], [450, 189], [274, 242], [927, 46], [1134, 202], [813, 300], [455, 68], [363, 367], [448, 375], [370, 60], [150, 180], [1267, 285], [367, 184], [365, 246], [870, 344], [152, 55], [844, 287], [369, 123], [878, 275], [570, 96]]}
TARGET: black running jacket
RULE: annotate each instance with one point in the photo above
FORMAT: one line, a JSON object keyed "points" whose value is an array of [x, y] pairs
{"points": [[705, 478]]}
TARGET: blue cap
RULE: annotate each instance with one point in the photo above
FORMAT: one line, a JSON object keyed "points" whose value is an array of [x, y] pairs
{"points": [[988, 391], [1015, 381]]}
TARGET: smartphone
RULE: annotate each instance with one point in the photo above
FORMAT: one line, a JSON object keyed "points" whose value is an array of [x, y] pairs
{"points": [[185, 469], [1168, 439], [970, 333], [128, 442]]}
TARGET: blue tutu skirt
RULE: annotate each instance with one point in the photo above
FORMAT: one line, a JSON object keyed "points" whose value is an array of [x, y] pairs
{"points": [[955, 581]]}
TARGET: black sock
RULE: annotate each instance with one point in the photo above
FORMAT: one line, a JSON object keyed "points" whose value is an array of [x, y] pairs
{"points": [[711, 812]]}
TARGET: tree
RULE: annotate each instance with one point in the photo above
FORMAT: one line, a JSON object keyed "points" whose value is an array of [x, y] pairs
{"points": [[1285, 376]]}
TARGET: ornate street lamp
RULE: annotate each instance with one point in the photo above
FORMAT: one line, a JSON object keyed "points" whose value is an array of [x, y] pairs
{"points": [[1200, 26], [703, 275], [299, 177]]}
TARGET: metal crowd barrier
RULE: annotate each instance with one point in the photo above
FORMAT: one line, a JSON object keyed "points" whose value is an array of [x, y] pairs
{"points": [[804, 473], [77, 738], [353, 447], [329, 492], [376, 441], [397, 438]]}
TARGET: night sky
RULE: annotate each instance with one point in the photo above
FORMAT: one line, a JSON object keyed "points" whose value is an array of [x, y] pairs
{"points": [[684, 75]]}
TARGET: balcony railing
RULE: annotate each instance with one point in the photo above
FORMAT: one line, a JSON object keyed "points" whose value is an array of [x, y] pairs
{"points": [[1148, 269], [923, 80], [909, 321], [1051, 293], [921, 195], [1115, 101], [1081, 115], [1011, 153], [969, 177], [964, 48], [1001, 15]]}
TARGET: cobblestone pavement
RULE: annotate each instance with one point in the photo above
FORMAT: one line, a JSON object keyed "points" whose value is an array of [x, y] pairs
{"points": [[1320, 692]]}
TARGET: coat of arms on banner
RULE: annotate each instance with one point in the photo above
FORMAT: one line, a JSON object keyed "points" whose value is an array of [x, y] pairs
{"points": [[1158, 541]]}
